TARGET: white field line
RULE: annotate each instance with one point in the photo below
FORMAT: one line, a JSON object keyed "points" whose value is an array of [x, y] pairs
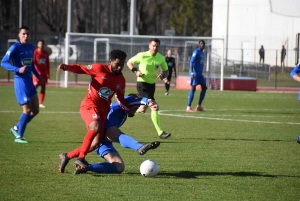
{"points": [[162, 112], [41, 112], [222, 119]]}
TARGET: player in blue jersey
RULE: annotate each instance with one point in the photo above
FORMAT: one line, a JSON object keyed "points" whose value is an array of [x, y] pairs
{"points": [[115, 119], [295, 76], [20, 55], [197, 78]]}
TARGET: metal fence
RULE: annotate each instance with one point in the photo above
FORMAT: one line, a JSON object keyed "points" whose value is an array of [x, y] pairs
{"points": [[240, 62]]}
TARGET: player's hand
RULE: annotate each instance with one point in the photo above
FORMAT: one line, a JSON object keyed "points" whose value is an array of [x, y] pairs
{"points": [[159, 76], [62, 67], [22, 69], [139, 74]]}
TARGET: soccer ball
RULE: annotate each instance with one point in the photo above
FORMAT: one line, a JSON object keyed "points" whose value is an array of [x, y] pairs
{"points": [[149, 168]]}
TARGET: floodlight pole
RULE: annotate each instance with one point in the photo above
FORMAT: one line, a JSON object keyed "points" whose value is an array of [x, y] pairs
{"points": [[132, 17], [20, 14]]}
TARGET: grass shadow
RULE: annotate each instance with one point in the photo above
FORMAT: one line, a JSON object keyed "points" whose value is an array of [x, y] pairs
{"points": [[194, 175]]}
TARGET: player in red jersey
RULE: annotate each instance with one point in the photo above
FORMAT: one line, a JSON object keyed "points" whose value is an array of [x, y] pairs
{"points": [[42, 66], [106, 80]]}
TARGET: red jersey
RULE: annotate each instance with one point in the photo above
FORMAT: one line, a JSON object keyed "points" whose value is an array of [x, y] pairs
{"points": [[41, 62], [103, 85]]}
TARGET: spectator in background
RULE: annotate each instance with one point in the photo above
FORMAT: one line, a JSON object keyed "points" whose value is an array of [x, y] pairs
{"points": [[42, 66], [261, 53], [283, 54]]}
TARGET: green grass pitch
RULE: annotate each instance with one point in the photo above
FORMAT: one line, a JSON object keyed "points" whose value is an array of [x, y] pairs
{"points": [[242, 148]]}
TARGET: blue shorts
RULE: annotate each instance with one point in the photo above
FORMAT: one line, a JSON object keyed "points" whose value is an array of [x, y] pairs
{"points": [[105, 147], [24, 90], [198, 79]]}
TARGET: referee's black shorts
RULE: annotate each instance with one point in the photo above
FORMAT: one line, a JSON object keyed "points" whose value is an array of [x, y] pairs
{"points": [[146, 90]]}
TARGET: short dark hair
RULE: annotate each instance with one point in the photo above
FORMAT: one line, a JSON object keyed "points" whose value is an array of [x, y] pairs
{"points": [[155, 40], [117, 54], [202, 42], [24, 27]]}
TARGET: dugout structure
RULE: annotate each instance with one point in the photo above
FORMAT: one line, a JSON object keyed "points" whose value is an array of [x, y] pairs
{"points": [[95, 48]]}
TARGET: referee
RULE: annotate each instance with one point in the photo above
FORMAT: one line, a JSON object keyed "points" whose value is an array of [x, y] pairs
{"points": [[147, 72]]}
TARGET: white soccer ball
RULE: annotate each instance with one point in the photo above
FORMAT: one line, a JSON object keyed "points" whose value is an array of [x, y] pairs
{"points": [[149, 168]]}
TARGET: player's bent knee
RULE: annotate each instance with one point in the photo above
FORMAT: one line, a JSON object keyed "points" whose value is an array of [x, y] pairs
{"points": [[95, 125], [120, 166]]}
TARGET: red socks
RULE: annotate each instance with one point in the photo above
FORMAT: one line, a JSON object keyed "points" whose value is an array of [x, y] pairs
{"points": [[87, 141], [42, 97]]}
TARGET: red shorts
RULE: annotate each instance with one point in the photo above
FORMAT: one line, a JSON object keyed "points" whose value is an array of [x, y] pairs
{"points": [[90, 114], [36, 81]]}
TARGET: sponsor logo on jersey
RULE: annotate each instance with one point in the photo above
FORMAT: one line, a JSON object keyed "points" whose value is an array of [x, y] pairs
{"points": [[89, 67], [104, 93], [8, 52], [42, 61], [27, 61]]}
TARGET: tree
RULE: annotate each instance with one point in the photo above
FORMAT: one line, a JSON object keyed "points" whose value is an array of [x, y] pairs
{"points": [[192, 17], [54, 14]]}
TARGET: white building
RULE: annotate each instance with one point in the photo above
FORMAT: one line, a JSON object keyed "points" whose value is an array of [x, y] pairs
{"points": [[249, 24]]}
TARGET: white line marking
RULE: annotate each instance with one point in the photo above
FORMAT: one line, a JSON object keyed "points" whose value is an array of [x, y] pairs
{"points": [[222, 119], [48, 112], [161, 112]]}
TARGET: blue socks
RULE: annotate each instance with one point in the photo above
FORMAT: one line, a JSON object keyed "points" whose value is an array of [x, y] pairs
{"points": [[24, 118], [128, 142], [190, 97], [202, 95], [103, 168]]}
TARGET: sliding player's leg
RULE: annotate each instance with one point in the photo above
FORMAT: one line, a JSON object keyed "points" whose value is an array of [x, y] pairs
{"points": [[114, 134], [114, 163]]}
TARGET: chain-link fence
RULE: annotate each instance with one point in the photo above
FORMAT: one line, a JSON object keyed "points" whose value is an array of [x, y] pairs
{"points": [[240, 62]]}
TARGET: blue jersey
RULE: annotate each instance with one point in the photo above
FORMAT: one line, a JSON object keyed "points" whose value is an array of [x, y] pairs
{"points": [[117, 116], [296, 70], [197, 62], [20, 55]]}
